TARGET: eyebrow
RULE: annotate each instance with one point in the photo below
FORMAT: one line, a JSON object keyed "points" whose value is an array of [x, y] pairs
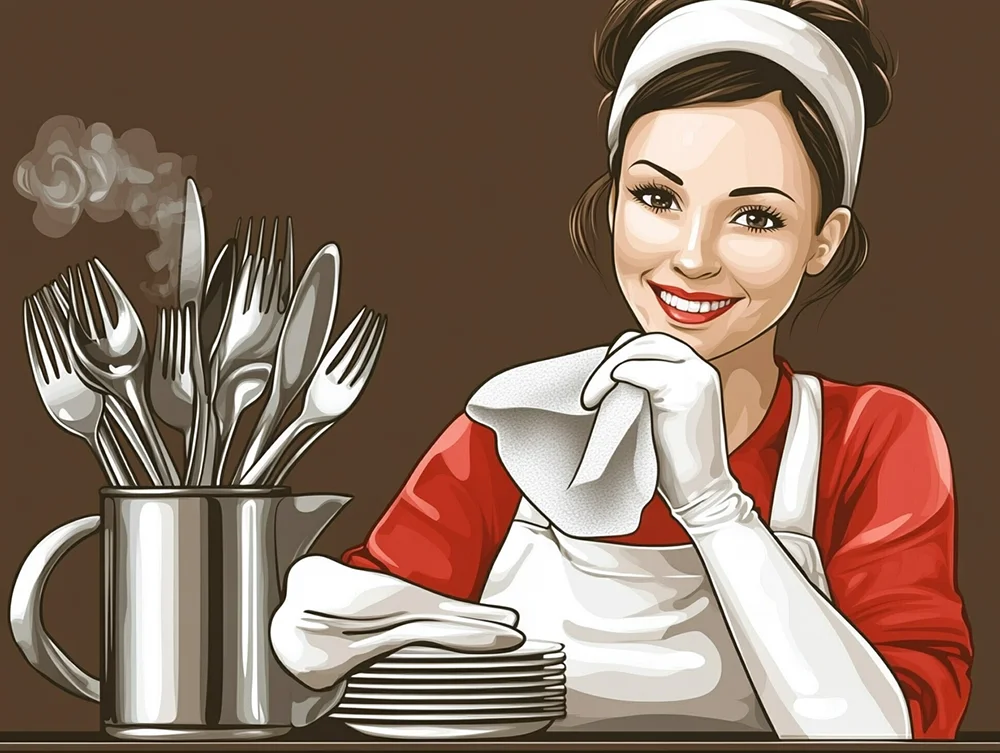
{"points": [[661, 170], [745, 191], [754, 190]]}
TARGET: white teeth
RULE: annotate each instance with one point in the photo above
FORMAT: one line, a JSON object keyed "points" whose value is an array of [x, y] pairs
{"points": [[695, 307]]}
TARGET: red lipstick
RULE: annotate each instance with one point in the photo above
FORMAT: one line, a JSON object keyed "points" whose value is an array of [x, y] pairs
{"points": [[685, 307]]}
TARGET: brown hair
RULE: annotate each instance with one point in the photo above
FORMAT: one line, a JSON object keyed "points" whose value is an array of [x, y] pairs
{"points": [[733, 77]]}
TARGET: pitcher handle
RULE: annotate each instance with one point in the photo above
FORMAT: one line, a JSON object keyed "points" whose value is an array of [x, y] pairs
{"points": [[26, 610]]}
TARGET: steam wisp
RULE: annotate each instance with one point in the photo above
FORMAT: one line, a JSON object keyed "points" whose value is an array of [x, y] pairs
{"points": [[76, 169]]}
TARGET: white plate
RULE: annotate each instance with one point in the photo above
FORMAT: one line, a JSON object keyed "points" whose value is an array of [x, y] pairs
{"points": [[556, 683], [460, 718], [465, 666], [541, 694], [480, 731], [527, 650], [455, 709], [556, 671]]}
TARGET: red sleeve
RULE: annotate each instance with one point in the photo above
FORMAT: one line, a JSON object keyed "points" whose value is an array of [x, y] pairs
{"points": [[892, 566], [446, 526]]}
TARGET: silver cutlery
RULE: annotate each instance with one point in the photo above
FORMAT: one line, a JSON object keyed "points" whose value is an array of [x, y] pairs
{"points": [[303, 341], [262, 289], [245, 353], [243, 388], [115, 357], [72, 404], [286, 276], [252, 326], [218, 292], [190, 292], [241, 331], [60, 290], [171, 385], [333, 390]]}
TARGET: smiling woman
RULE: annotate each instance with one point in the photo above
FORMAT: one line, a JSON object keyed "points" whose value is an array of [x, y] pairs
{"points": [[727, 224], [756, 548], [737, 76]]}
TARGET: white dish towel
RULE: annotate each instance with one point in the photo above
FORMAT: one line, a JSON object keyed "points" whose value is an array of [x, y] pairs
{"points": [[590, 472]]}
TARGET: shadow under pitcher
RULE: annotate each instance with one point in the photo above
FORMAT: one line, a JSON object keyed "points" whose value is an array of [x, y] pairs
{"points": [[191, 578]]}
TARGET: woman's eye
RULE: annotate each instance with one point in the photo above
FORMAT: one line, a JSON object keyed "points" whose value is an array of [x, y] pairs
{"points": [[657, 199], [758, 219]]}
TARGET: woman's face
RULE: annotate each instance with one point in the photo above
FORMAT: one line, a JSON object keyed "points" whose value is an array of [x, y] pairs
{"points": [[714, 222]]}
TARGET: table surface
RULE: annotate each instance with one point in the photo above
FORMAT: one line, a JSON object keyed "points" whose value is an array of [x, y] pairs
{"points": [[334, 737]]}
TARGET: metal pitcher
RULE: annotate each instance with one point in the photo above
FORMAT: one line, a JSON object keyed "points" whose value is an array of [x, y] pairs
{"points": [[191, 579]]}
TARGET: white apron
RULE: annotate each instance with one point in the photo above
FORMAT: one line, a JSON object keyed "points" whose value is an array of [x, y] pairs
{"points": [[647, 647]]}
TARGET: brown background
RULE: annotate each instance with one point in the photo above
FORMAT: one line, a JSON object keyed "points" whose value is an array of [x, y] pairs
{"points": [[441, 144]]}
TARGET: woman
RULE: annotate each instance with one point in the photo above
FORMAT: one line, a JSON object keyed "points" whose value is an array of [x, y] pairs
{"points": [[720, 542]]}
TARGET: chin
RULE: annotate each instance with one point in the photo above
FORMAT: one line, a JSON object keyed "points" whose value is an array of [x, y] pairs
{"points": [[705, 342], [708, 340]]}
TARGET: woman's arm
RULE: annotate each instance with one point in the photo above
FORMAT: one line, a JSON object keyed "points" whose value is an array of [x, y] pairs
{"points": [[437, 540], [446, 526], [817, 674], [891, 561]]}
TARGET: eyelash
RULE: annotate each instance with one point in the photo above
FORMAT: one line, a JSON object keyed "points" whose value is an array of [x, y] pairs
{"points": [[774, 215], [638, 192]]}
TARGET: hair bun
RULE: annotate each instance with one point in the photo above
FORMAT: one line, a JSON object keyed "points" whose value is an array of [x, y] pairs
{"points": [[846, 23]]}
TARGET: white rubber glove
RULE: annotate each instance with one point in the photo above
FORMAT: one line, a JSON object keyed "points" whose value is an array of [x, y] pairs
{"points": [[335, 618], [685, 397], [815, 674]]}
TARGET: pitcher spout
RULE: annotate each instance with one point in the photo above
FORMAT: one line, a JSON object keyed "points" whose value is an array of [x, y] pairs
{"points": [[299, 522]]}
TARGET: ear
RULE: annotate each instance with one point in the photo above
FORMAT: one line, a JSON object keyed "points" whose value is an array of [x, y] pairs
{"points": [[828, 242], [612, 204]]}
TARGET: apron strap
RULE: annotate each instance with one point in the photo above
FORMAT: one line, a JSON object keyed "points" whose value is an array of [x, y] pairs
{"points": [[793, 508]]}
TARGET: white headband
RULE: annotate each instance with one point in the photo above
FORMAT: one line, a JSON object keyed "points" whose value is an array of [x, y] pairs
{"points": [[711, 26]]}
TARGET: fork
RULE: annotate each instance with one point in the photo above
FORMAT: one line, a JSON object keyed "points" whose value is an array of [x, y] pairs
{"points": [[285, 281], [260, 298], [244, 355], [73, 405], [115, 358], [171, 386], [335, 387], [235, 395], [60, 290]]}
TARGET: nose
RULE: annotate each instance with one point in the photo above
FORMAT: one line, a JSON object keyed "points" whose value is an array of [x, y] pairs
{"points": [[697, 258]]}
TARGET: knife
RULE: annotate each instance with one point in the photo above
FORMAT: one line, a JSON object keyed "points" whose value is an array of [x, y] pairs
{"points": [[190, 292]]}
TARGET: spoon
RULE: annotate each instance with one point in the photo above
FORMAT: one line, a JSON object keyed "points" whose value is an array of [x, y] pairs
{"points": [[303, 340]]}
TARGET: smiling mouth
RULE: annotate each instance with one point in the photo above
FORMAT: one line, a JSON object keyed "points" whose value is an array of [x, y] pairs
{"points": [[691, 308]]}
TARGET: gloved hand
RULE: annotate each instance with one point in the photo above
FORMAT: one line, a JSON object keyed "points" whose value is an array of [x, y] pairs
{"points": [[685, 396], [335, 618]]}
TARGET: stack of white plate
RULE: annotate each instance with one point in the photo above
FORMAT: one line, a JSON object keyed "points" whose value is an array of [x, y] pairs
{"points": [[433, 693]]}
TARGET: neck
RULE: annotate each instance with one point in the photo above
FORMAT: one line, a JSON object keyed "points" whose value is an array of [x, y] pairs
{"points": [[749, 381]]}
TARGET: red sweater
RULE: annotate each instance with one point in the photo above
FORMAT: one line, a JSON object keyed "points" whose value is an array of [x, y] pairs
{"points": [[885, 527]]}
